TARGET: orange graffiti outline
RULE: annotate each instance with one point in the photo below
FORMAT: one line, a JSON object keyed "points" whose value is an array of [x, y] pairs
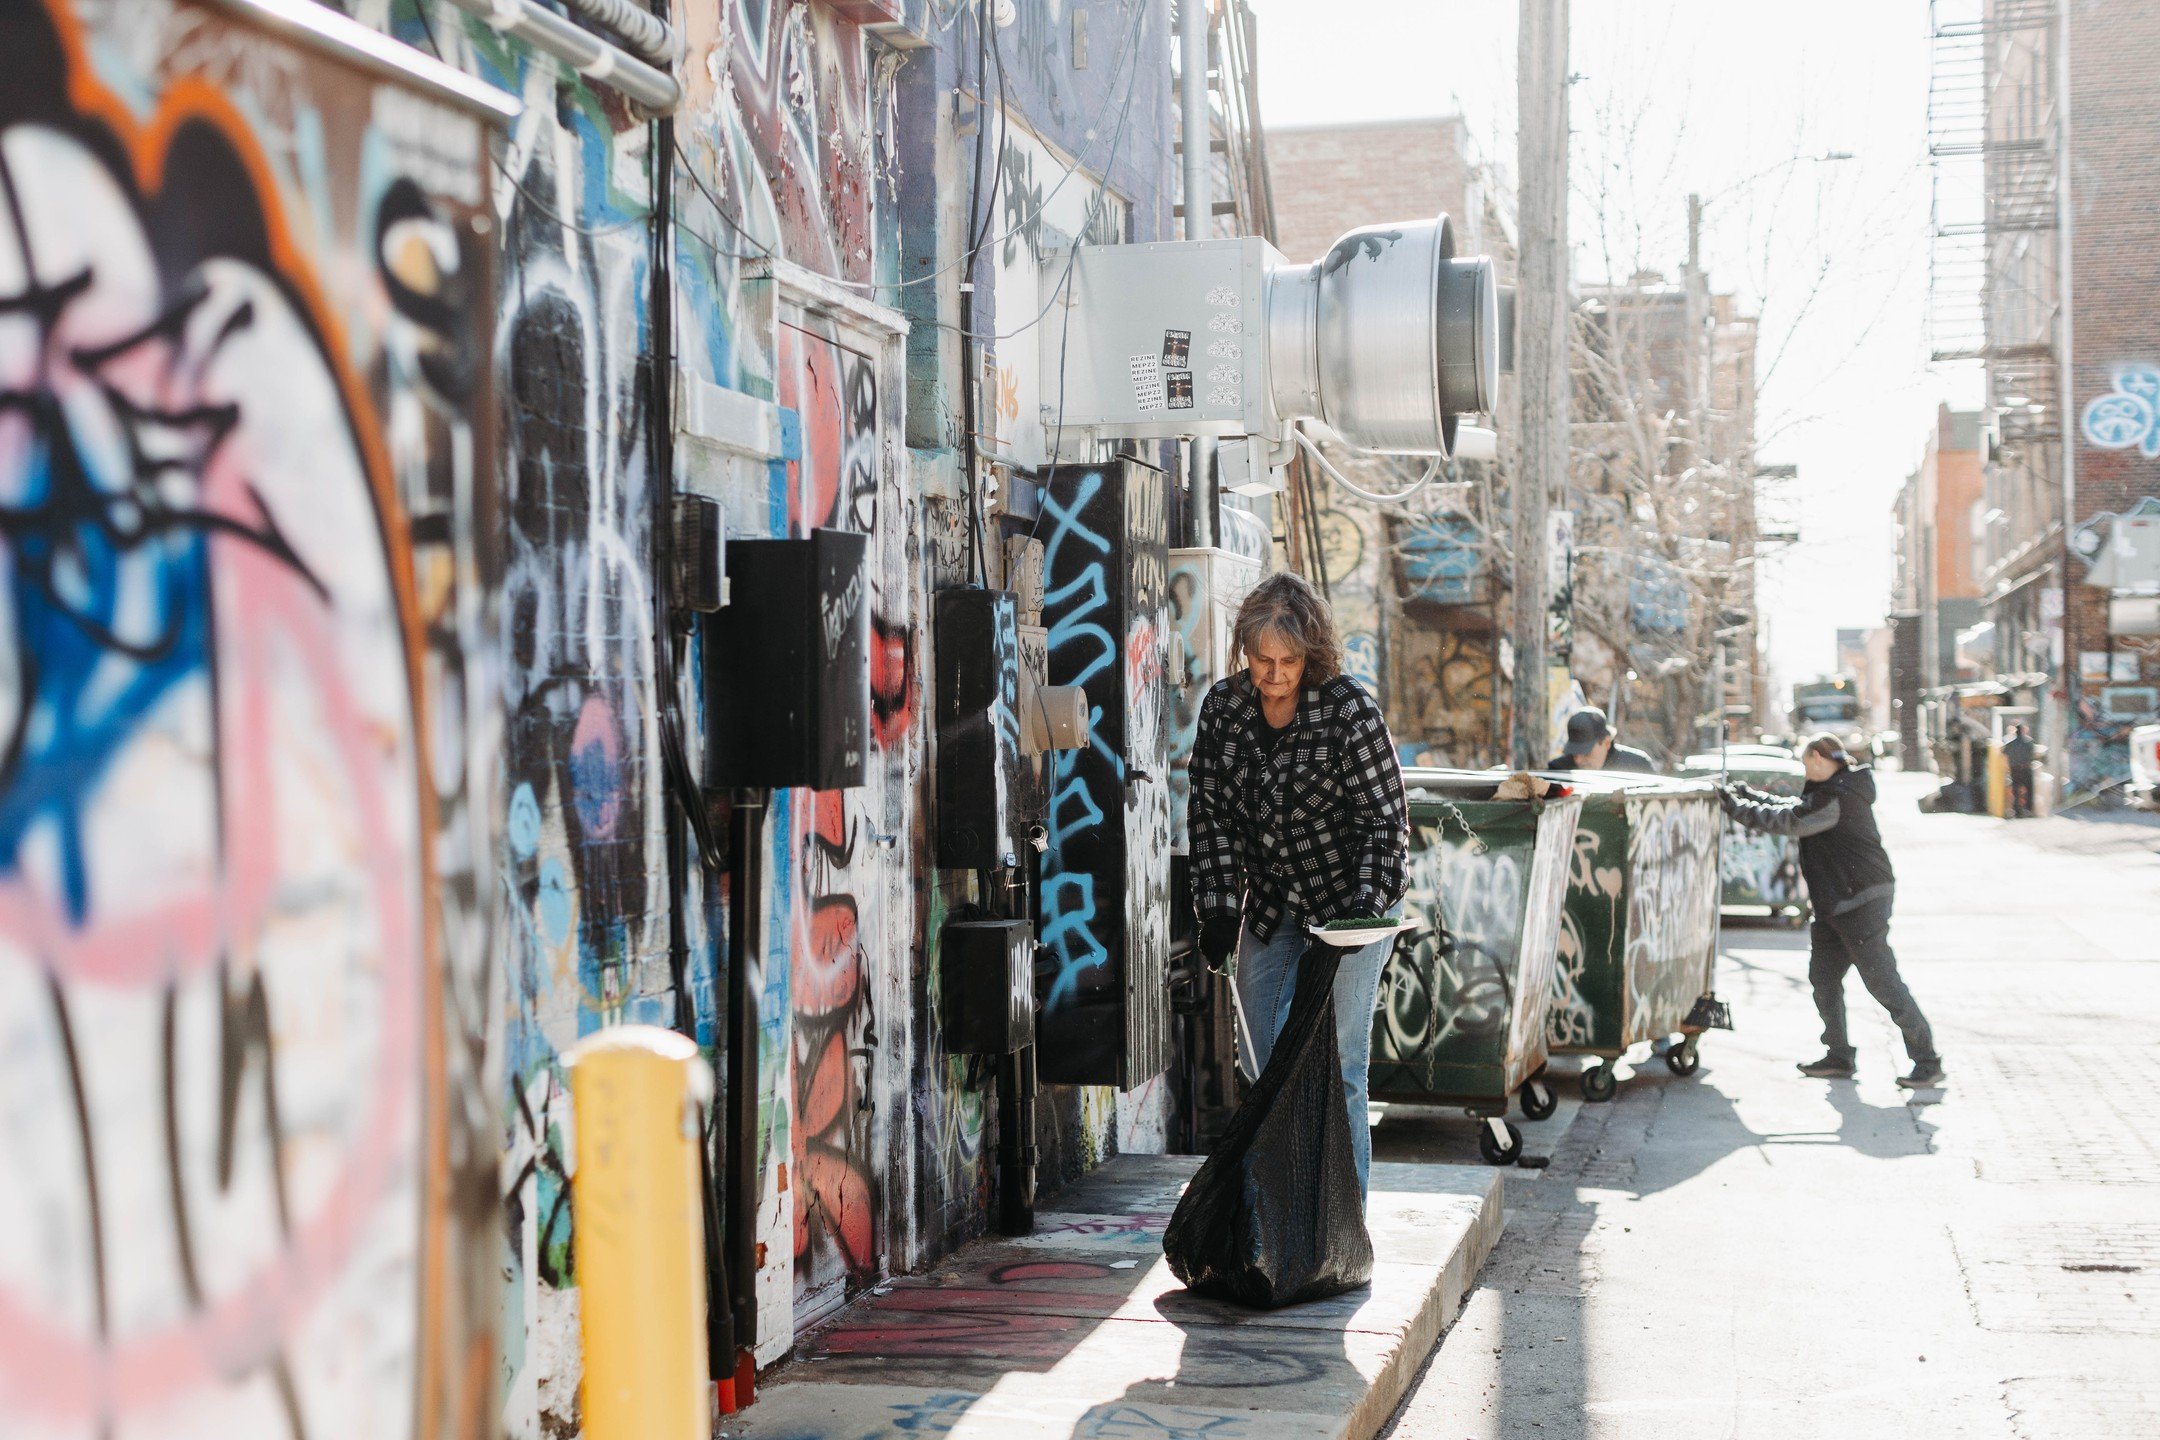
{"points": [[190, 97]]}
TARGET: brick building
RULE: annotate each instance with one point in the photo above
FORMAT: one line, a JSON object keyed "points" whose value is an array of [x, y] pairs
{"points": [[1941, 540], [2042, 112]]}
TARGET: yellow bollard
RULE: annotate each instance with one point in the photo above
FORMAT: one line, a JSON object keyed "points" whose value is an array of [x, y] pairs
{"points": [[638, 1095], [1998, 783]]}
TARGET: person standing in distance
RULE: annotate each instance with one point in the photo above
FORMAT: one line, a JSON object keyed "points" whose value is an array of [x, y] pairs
{"points": [[1850, 881], [2018, 752], [1297, 816]]}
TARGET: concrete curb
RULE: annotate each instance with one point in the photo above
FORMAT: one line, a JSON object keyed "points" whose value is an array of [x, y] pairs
{"points": [[1080, 1331]]}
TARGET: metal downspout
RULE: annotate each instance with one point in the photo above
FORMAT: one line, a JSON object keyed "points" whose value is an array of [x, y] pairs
{"points": [[1199, 220]]}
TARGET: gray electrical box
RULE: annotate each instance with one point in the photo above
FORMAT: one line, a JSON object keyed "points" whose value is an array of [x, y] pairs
{"points": [[1166, 340]]}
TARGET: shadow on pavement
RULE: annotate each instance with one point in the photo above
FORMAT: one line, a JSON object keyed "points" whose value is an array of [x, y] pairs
{"points": [[1885, 1132]]}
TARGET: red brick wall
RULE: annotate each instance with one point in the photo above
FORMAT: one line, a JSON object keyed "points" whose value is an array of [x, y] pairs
{"points": [[1334, 178], [2115, 274]]}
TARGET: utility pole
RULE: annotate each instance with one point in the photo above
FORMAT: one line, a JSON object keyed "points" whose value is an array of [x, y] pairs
{"points": [[1541, 346]]}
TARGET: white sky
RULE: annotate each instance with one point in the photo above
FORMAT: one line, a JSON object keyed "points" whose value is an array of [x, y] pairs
{"points": [[1676, 96]]}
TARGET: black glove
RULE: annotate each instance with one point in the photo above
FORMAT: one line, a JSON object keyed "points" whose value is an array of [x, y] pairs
{"points": [[1218, 941]]}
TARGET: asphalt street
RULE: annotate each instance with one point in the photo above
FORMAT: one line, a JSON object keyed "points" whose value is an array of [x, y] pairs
{"points": [[1749, 1253]]}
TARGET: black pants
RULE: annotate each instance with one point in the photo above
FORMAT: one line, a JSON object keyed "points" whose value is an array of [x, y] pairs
{"points": [[1860, 939], [2021, 790]]}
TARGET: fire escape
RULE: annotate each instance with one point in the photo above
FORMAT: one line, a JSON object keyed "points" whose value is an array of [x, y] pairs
{"points": [[1994, 141], [1995, 296]]}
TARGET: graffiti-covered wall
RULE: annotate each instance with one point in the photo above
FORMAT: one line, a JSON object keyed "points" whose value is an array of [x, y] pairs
{"points": [[336, 798], [248, 581], [800, 241]]}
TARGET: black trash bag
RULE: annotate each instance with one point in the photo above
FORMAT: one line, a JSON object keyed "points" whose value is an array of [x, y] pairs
{"points": [[1274, 1217]]}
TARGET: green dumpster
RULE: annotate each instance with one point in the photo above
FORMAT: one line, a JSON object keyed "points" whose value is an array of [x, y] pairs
{"points": [[1761, 873], [1461, 1015], [1639, 933]]}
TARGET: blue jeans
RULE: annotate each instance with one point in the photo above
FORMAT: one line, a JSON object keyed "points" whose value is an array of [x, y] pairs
{"points": [[1266, 982]]}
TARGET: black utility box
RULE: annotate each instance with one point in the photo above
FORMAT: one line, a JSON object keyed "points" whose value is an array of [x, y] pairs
{"points": [[989, 985], [978, 727], [787, 665]]}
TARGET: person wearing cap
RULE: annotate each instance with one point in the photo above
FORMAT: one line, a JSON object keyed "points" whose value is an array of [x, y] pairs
{"points": [[1589, 742], [1851, 883]]}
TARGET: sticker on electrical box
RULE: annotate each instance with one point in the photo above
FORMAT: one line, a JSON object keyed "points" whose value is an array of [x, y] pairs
{"points": [[1225, 350], [1221, 396], [1226, 324], [1181, 388], [1147, 383], [1222, 295], [1176, 349]]}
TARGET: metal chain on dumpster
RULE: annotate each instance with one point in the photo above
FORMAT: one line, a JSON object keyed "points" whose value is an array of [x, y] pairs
{"points": [[1477, 846]]}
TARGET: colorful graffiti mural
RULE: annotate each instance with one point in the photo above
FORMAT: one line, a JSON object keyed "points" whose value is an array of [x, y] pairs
{"points": [[245, 789], [837, 959], [1105, 890]]}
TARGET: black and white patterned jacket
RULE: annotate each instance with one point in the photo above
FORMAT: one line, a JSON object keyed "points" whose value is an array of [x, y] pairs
{"points": [[1318, 831]]}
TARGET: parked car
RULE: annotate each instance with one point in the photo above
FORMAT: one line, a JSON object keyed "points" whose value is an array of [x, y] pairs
{"points": [[2145, 763]]}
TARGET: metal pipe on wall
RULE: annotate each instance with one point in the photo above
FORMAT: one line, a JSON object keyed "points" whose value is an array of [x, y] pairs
{"points": [[746, 924], [1199, 219], [655, 91], [641, 30]]}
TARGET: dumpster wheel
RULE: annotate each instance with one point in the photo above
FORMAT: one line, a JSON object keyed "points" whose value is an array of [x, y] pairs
{"points": [[1684, 1059], [1498, 1141], [1599, 1084], [1538, 1099]]}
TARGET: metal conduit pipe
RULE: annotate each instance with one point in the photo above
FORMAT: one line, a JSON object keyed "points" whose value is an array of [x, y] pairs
{"points": [[641, 30], [653, 90], [1198, 137]]}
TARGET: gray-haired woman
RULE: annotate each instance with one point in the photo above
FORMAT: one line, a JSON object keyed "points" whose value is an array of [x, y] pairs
{"points": [[1297, 816]]}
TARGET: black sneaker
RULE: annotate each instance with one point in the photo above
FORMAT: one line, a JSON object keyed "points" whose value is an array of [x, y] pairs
{"points": [[1830, 1067], [1926, 1075]]}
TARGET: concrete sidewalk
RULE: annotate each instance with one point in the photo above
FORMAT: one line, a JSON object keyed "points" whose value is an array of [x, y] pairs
{"points": [[1080, 1330]]}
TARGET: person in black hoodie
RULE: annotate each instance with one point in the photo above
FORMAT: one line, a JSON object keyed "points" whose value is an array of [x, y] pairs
{"points": [[1850, 881]]}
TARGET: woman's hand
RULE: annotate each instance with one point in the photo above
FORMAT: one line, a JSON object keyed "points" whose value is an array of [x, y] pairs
{"points": [[1218, 942]]}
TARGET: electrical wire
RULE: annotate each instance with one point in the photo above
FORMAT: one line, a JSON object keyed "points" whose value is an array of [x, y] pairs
{"points": [[1432, 473], [763, 251], [1061, 290], [978, 225]]}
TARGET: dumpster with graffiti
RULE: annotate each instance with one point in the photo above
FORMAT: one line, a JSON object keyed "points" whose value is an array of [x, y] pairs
{"points": [[1638, 936], [1461, 1018], [1761, 873]]}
